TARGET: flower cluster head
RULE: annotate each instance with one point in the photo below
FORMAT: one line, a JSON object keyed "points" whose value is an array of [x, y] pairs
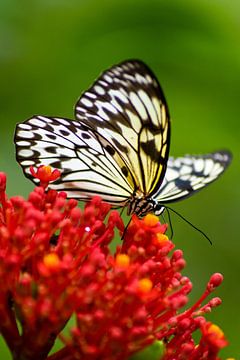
{"points": [[55, 264]]}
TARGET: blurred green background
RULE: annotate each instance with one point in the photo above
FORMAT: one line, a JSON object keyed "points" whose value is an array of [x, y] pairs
{"points": [[52, 50]]}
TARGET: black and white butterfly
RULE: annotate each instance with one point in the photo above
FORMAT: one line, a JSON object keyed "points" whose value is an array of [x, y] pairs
{"points": [[118, 147]]}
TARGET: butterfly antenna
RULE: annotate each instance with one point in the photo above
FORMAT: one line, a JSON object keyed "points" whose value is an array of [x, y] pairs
{"points": [[170, 223], [125, 229], [188, 222]]}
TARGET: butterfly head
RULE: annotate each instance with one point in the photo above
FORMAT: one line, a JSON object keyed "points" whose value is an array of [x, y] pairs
{"points": [[158, 208]]}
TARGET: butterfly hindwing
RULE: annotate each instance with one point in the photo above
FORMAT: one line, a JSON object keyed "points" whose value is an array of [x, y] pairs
{"points": [[186, 175], [127, 107], [86, 164]]}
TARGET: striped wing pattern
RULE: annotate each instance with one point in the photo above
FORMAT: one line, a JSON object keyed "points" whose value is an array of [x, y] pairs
{"points": [[126, 105]]}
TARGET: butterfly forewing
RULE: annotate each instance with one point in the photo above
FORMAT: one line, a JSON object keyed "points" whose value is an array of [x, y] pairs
{"points": [[127, 107], [87, 165], [188, 174]]}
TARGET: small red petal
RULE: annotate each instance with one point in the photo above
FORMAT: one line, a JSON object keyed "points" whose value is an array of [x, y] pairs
{"points": [[215, 280], [3, 180]]}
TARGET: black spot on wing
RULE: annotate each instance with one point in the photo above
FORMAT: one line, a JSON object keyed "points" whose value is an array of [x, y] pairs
{"points": [[74, 129], [64, 132], [51, 136], [56, 165], [200, 174], [49, 128], [83, 127], [124, 171], [150, 150], [37, 137], [110, 150], [86, 136], [184, 184], [51, 149], [120, 147]]}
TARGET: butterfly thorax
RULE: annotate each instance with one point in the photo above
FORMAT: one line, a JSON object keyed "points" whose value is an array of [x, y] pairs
{"points": [[142, 205]]}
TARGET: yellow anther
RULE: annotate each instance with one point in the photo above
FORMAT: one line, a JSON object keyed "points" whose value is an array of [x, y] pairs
{"points": [[216, 330], [151, 220], [145, 285], [162, 238], [122, 260], [51, 261]]}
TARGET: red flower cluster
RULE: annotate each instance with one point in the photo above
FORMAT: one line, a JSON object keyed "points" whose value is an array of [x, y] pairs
{"points": [[55, 262]]}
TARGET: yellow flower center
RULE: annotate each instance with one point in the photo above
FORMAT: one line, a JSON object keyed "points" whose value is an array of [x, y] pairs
{"points": [[46, 169]]}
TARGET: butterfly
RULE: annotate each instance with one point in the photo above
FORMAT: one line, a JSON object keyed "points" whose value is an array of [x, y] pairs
{"points": [[117, 146]]}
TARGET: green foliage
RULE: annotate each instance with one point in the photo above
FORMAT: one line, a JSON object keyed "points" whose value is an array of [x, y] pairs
{"points": [[50, 51], [153, 352]]}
